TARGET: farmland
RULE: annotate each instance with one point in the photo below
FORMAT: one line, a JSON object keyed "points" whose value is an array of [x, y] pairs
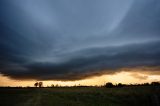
{"points": [[81, 96]]}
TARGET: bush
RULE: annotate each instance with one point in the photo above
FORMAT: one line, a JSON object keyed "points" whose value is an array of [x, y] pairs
{"points": [[109, 85]]}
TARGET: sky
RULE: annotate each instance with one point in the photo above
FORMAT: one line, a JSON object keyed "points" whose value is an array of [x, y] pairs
{"points": [[76, 40]]}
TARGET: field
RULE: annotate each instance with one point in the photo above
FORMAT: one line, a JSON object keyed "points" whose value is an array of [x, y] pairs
{"points": [[81, 96]]}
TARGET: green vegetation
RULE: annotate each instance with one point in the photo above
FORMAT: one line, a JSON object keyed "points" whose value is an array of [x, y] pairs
{"points": [[81, 96]]}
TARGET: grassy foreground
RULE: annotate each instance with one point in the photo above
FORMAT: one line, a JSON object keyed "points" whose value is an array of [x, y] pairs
{"points": [[89, 96]]}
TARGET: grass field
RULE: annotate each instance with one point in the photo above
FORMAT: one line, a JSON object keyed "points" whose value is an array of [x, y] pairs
{"points": [[79, 96]]}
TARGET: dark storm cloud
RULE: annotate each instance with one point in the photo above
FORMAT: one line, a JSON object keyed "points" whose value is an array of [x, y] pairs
{"points": [[74, 39]]}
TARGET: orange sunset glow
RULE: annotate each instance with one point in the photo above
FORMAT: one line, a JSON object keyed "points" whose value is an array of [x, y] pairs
{"points": [[137, 75], [79, 52]]}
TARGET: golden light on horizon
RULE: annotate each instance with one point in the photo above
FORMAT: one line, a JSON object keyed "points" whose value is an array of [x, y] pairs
{"points": [[125, 77]]}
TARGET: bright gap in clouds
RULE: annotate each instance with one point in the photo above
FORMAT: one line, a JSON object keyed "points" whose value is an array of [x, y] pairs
{"points": [[125, 77]]}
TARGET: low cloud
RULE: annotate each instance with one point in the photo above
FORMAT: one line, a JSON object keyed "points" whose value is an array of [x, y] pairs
{"points": [[75, 40], [81, 67]]}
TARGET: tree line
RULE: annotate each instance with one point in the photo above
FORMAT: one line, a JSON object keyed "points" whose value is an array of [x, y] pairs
{"points": [[111, 85], [107, 85]]}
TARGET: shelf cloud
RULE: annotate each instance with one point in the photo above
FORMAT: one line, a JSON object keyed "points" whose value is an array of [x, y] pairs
{"points": [[75, 39]]}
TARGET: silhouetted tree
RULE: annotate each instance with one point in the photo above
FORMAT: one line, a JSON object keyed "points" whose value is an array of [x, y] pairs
{"points": [[146, 84], [120, 85], [109, 85], [57, 85], [52, 86], [40, 84], [155, 83], [36, 84]]}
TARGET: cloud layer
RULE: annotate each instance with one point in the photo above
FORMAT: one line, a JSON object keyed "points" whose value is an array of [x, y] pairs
{"points": [[71, 40]]}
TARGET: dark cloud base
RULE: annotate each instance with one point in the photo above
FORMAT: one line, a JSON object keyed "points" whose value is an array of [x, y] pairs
{"points": [[59, 40], [80, 67]]}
